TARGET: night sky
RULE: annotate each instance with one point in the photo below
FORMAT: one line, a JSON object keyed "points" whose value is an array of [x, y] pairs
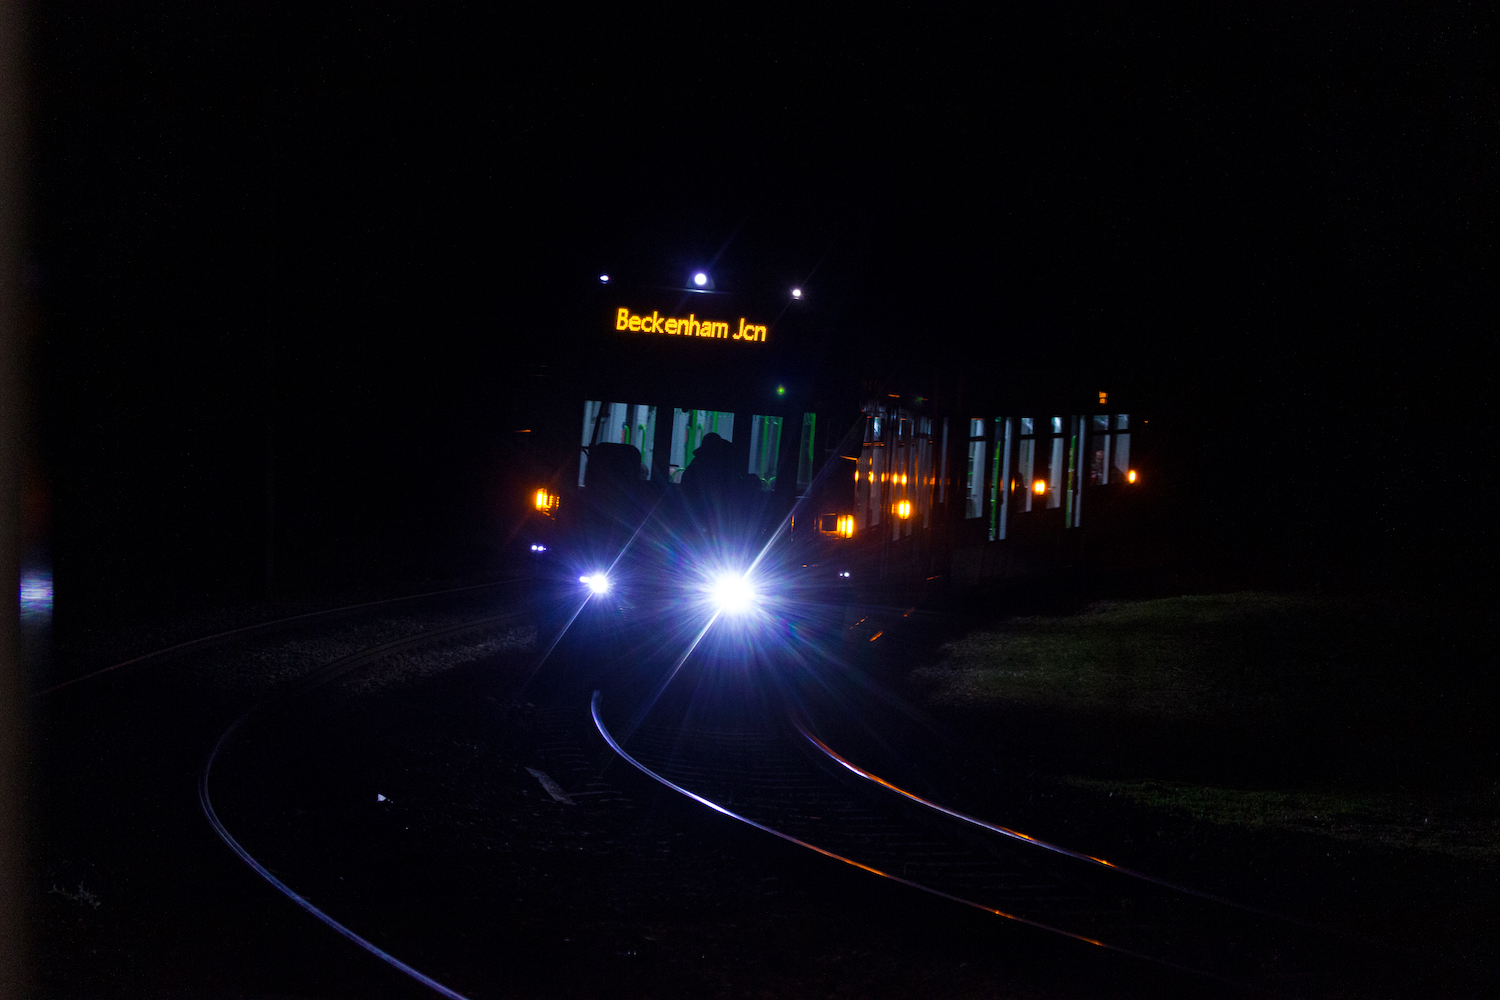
{"points": [[321, 247]]}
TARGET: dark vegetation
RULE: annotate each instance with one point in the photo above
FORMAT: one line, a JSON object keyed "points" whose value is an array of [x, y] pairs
{"points": [[1369, 717]]}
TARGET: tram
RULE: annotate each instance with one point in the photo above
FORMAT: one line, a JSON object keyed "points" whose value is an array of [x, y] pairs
{"points": [[689, 437]]}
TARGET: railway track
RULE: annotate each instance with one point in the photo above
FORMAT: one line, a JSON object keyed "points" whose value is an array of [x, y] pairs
{"points": [[783, 780], [289, 656], [324, 675], [780, 778]]}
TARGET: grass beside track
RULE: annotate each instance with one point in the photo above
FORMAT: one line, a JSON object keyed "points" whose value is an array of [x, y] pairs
{"points": [[1466, 827], [1327, 676]]}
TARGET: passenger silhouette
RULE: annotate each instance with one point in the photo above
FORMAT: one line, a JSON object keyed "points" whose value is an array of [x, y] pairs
{"points": [[712, 467]]}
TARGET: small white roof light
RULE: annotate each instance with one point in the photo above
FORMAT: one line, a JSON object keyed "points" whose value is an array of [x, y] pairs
{"points": [[603, 279], [796, 293], [700, 279]]}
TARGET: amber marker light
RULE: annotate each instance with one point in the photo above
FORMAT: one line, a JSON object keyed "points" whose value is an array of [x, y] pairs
{"points": [[903, 509], [1130, 476], [545, 502], [846, 526], [1039, 487]]}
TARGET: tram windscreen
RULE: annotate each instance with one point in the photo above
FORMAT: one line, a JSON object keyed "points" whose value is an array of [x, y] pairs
{"points": [[617, 423], [806, 459], [765, 445], [689, 428]]}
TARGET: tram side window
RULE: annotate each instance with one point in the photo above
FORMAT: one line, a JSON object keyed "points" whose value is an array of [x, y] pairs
{"points": [[942, 472], [1109, 448], [923, 480], [1122, 447], [765, 444], [870, 488], [617, 423], [689, 428], [901, 456], [974, 478], [999, 496], [1099, 442], [1055, 466], [1025, 463]]}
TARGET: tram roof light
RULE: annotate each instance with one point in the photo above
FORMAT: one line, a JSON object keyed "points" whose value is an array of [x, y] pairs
{"points": [[796, 293], [700, 279], [603, 279]]}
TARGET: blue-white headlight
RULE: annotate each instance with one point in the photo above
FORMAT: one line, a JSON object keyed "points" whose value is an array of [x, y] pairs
{"points": [[598, 583], [733, 593]]}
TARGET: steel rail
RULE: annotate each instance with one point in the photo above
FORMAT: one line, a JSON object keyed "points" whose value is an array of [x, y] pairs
{"points": [[246, 631], [1026, 838], [764, 828], [330, 671]]}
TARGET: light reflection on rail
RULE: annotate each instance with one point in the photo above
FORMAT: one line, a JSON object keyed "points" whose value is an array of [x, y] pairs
{"points": [[716, 807], [1035, 842]]}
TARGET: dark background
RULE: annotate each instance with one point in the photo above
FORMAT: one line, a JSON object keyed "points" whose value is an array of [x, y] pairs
{"points": [[291, 264]]}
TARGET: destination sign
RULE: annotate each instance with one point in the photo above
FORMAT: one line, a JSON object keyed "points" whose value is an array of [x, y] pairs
{"points": [[689, 326]]}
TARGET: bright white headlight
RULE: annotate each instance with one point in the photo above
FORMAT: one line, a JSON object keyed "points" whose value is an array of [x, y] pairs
{"points": [[733, 593], [597, 583]]}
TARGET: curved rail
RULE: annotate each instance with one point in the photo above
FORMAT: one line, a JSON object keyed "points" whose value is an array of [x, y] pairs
{"points": [[1057, 848], [245, 631], [716, 807], [333, 670], [1026, 838]]}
